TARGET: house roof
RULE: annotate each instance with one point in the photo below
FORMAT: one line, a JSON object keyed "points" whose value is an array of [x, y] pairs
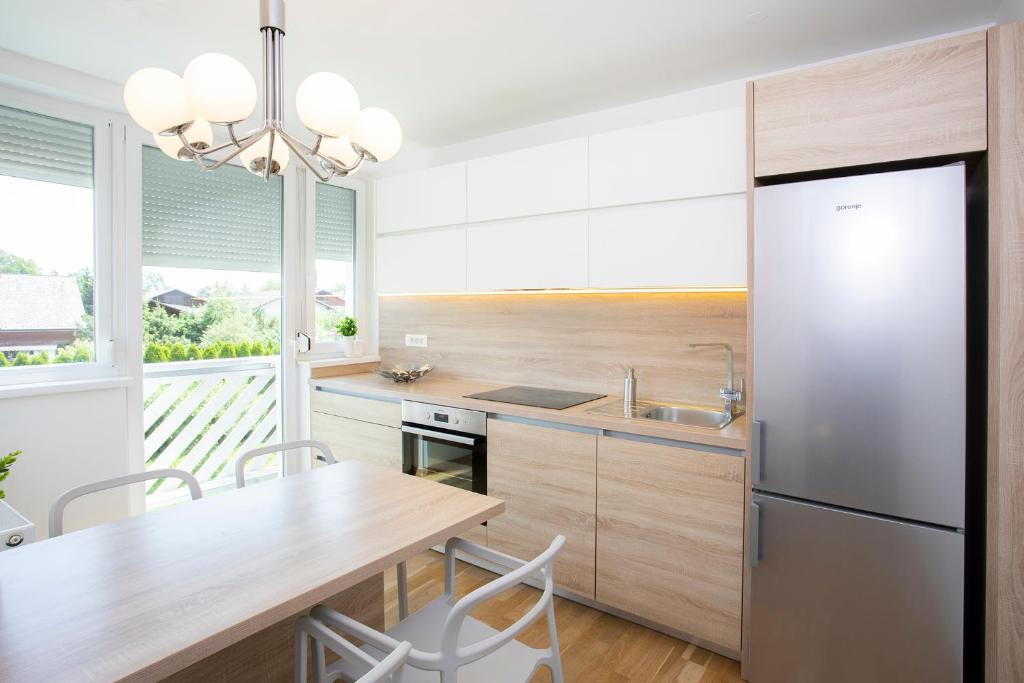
{"points": [[39, 302]]}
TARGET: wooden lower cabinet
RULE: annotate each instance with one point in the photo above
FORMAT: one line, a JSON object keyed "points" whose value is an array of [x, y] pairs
{"points": [[670, 537], [355, 440], [547, 478]]}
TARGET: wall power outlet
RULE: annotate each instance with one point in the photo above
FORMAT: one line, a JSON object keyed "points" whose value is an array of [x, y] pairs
{"points": [[416, 340]]}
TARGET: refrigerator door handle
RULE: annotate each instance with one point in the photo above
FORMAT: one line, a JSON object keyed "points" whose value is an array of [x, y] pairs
{"points": [[754, 535], [756, 469]]}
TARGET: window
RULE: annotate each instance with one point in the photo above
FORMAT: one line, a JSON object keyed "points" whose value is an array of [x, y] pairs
{"points": [[334, 259], [52, 244], [336, 277]]}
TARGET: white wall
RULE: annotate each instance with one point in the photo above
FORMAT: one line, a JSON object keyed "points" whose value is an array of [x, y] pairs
{"points": [[1010, 11], [68, 439]]}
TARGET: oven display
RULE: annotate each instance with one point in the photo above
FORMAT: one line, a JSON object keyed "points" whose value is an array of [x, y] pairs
{"points": [[440, 417]]}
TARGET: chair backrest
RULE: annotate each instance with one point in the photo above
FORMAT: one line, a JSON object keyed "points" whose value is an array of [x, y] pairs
{"points": [[453, 655], [57, 509], [390, 668], [278, 448]]}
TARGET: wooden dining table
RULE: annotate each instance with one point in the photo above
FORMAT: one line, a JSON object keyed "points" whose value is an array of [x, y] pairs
{"points": [[210, 589]]}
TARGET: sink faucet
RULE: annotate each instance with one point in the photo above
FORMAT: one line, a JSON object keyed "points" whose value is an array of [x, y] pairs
{"points": [[732, 396]]}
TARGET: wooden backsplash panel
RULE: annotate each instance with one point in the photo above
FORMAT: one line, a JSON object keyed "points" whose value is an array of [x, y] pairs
{"points": [[580, 342]]}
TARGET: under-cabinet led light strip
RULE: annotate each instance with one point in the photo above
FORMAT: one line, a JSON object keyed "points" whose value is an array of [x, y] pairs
{"points": [[570, 292]]}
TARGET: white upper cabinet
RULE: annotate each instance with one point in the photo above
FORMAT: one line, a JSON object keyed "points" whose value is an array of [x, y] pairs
{"points": [[535, 253], [538, 180], [422, 199], [694, 156], [690, 243], [433, 261]]}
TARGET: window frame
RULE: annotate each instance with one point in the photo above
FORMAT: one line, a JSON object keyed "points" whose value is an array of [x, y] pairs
{"points": [[362, 266], [108, 211]]}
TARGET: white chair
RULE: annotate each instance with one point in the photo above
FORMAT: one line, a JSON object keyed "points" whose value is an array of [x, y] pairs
{"points": [[449, 644], [328, 457], [389, 669], [57, 509], [240, 461]]}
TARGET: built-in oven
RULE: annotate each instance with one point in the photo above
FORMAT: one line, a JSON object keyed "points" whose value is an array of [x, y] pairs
{"points": [[447, 445]]}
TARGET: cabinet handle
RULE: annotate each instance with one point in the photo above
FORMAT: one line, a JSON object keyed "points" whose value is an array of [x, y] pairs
{"points": [[754, 535], [756, 467]]}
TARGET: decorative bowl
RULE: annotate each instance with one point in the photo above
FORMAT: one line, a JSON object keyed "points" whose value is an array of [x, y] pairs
{"points": [[405, 373]]}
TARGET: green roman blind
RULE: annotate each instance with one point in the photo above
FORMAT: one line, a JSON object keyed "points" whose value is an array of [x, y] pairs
{"points": [[335, 222], [43, 148], [228, 219]]}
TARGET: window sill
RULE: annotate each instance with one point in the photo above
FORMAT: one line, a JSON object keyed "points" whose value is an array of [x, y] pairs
{"points": [[63, 387], [324, 361]]}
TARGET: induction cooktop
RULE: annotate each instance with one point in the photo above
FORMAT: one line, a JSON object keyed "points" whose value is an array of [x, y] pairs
{"points": [[537, 397]]}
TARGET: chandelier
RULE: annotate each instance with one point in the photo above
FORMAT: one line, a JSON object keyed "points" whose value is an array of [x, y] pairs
{"points": [[217, 89]]}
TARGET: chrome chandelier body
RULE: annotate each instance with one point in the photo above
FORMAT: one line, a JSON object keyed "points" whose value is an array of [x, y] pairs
{"points": [[220, 88]]}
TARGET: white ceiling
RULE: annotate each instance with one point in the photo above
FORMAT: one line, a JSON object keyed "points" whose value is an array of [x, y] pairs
{"points": [[453, 70]]}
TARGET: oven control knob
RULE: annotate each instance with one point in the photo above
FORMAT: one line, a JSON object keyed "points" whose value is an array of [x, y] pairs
{"points": [[455, 420]]}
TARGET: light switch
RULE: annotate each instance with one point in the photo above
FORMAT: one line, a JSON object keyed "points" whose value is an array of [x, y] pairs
{"points": [[416, 340]]}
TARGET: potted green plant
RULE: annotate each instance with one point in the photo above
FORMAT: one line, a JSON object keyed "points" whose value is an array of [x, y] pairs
{"points": [[14, 528], [347, 328]]}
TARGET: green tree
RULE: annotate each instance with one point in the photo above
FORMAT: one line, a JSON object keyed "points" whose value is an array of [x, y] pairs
{"points": [[86, 287], [9, 263], [21, 358], [4, 361], [210, 352], [257, 349], [158, 326], [194, 352], [177, 352], [41, 358], [155, 353], [243, 349], [227, 350]]}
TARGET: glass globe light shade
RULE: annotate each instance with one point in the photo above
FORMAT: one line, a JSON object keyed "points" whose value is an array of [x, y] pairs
{"points": [[327, 104], [377, 132], [199, 135], [156, 99], [220, 88], [254, 157], [339, 149]]}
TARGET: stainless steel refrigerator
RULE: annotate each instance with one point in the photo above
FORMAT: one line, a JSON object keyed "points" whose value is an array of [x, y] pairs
{"points": [[858, 454]]}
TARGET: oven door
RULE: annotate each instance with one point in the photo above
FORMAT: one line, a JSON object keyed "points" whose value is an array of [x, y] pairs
{"points": [[450, 458]]}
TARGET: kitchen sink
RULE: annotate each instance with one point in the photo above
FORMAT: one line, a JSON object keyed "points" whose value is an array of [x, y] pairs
{"points": [[691, 416]]}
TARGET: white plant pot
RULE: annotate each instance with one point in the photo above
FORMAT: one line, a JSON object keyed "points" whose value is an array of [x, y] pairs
{"points": [[348, 345], [15, 530]]}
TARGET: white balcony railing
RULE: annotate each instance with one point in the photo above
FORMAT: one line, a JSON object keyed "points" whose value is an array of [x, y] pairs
{"points": [[199, 415]]}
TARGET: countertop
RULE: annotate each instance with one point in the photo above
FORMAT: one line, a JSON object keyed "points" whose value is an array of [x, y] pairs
{"points": [[144, 597], [451, 392]]}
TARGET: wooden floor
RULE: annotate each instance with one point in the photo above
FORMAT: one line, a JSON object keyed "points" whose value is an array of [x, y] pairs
{"points": [[595, 646]]}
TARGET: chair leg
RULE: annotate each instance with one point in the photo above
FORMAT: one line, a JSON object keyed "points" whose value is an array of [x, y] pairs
{"points": [[301, 646], [555, 663], [403, 591]]}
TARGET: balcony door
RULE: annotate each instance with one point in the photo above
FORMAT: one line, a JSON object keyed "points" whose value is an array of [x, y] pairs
{"points": [[211, 312]]}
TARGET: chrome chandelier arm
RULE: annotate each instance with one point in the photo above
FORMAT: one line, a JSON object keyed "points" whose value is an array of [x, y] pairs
{"points": [[211, 150], [248, 141], [302, 157]]}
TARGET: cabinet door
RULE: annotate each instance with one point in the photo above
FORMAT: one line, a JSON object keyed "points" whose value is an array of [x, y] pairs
{"points": [[670, 537], [422, 262], [691, 243], [547, 478], [693, 156], [357, 408], [527, 182], [355, 440], [910, 103], [422, 199], [538, 253]]}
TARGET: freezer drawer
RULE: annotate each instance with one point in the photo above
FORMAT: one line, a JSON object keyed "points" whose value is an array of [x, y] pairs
{"points": [[848, 598], [859, 354]]}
